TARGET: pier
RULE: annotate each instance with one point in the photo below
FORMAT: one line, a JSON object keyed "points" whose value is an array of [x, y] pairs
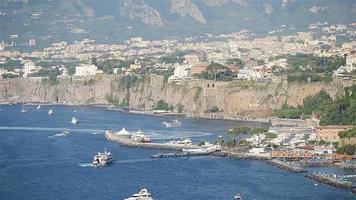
{"points": [[128, 142], [332, 180], [289, 166], [178, 154]]}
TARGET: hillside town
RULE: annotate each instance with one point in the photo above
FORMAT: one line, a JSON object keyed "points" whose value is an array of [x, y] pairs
{"points": [[238, 56]]}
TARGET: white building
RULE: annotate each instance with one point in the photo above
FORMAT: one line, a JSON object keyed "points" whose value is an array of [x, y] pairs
{"points": [[87, 70], [245, 74], [351, 60], [29, 67], [181, 72]]}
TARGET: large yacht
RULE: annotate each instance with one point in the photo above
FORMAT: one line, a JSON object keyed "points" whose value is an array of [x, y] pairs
{"points": [[102, 159], [143, 194], [172, 124]]}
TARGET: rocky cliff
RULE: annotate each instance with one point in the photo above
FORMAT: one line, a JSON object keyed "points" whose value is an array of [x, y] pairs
{"points": [[234, 99]]}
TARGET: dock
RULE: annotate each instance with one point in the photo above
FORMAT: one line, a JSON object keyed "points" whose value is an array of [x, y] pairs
{"points": [[332, 180], [178, 154], [128, 142], [292, 167]]}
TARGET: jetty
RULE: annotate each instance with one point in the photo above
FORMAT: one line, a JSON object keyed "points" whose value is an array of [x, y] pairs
{"points": [[179, 154], [128, 142], [289, 166], [332, 180]]}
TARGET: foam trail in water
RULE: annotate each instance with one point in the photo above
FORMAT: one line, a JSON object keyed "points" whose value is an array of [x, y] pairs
{"points": [[85, 165], [78, 130], [134, 160]]}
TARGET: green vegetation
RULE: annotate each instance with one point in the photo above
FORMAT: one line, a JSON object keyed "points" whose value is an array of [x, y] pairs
{"points": [[215, 71], [171, 59], [198, 91], [162, 105], [348, 134], [89, 82], [346, 149], [259, 130], [236, 61], [341, 111], [309, 68], [52, 80], [214, 109], [47, 72], [246, 144], [271, 136], [239, 130], [116, 102], [180, 108], [11, 64]]}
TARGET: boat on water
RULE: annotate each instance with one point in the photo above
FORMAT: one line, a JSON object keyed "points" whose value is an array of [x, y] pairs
{"points": [[238, 197], [102, 159], [74, 121], [23, 110], [143, 194], [50, 112], [172, 124], [38, 107], [139, 136]]}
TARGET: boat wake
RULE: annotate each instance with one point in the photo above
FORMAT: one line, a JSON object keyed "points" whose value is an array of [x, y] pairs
{"points": [[85, 165], [77, 130], [133, 160], [58, 135]]}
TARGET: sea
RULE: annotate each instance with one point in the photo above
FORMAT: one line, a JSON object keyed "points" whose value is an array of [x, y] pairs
{"points": [[38, 162]]}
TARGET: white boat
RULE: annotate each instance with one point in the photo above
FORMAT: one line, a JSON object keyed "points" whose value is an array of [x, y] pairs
{"points": [[143, 194], [50, 112], [102, 159], [139, 136], [172, 124], [183, 141], [23, 110], [38, 107], [238, 197], [74, 121]]}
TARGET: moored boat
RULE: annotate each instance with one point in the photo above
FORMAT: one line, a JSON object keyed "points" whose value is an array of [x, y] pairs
{"points": [[50, 112], [139, 136], [238, 197]]}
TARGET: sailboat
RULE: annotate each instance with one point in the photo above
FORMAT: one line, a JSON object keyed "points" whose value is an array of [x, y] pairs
{"points": [[74, 121], [50, 112], [23, 110], [38, 107]]}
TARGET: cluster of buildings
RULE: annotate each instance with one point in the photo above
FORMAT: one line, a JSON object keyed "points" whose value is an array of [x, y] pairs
{"points": [[260, 56]]}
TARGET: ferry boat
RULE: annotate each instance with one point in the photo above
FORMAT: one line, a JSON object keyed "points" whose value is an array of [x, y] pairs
{"points": [[102, 159], [139, 136], [143, 194], [50, 112], [172, 124], [74, 121]]}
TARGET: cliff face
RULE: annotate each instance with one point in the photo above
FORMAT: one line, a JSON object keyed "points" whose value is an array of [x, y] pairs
{"points": [[235, 99]]}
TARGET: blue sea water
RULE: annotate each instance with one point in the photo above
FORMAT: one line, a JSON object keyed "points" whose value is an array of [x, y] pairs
{"points": [[37, 164]]}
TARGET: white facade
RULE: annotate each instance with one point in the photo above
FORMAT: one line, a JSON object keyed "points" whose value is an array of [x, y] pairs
{"points": [[87, 70], [29, 68], [245, 74], [351, 60], [181, 72]]}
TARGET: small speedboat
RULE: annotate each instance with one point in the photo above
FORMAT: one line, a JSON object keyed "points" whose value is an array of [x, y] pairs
{"points": [[172, 124], [38, 107], [143, 194], [23, 110], [238, 197], [50, 112]]}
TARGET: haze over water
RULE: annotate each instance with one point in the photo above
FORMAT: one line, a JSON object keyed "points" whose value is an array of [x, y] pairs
{"points": [[37, 164]]}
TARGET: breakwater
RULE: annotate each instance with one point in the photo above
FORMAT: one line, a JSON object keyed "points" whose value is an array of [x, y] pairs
{"points": [[289, 166], [331, 179], [127, 142]]}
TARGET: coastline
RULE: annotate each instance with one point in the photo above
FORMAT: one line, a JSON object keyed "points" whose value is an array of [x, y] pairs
{"points": [[261, 121]]}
